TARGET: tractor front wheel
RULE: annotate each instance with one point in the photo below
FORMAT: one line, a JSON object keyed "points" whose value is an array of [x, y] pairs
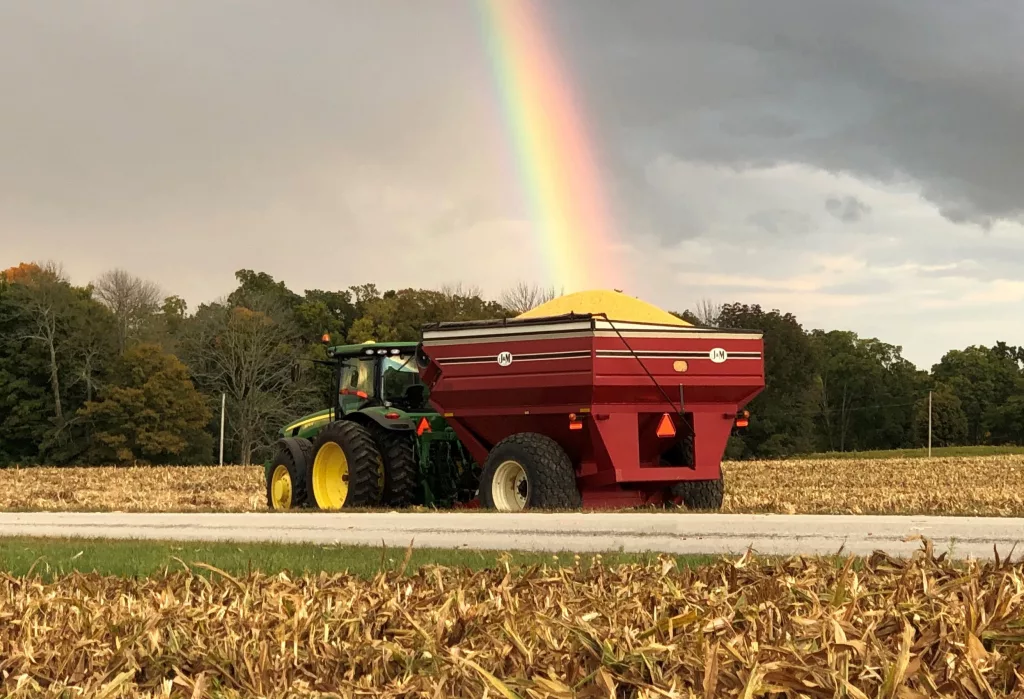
{"points": [[528, 471], [348, 470], [286, 476]]}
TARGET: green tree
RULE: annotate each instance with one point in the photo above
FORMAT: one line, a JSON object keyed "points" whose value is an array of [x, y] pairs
{"points": [[865, 392], [25, 403], [781, 421], [982, 378], [400, 315], [949, 422], [150, 414], [1004, 422], [325, 312], [260, 288], [53, 323]]}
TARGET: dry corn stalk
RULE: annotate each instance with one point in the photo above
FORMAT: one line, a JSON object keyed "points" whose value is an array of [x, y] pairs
{"points": [[990, 485], [744, 627]]}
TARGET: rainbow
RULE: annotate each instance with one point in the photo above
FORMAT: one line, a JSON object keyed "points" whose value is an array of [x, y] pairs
{"points": [[553, 150]]}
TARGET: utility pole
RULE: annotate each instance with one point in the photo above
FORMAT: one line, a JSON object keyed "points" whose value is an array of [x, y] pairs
{"points": [[929, 424], [223, 402]]}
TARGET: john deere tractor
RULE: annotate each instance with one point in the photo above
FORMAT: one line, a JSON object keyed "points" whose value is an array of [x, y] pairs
{"points": [[379, 444]]}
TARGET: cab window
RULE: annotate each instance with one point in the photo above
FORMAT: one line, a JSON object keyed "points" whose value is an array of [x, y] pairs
{"points": [[356, 377]]}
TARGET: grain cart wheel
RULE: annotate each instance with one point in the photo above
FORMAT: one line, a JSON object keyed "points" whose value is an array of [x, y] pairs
{"points": [[401, 471], [528, 471], [286, 475], [700, 495], [348, 470]]}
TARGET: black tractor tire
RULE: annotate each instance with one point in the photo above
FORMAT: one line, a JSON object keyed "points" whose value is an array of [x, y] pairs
{"points": [[549, 474], [401, 470], [700, 495], [297, 471], [364, 460]]}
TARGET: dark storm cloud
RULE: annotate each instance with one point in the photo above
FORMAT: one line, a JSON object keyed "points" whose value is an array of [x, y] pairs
{"points": [[847, 209], [921, 91], [161, 106]]}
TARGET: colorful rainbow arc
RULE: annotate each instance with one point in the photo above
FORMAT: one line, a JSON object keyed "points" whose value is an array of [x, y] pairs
{"points": [[552, 147]]}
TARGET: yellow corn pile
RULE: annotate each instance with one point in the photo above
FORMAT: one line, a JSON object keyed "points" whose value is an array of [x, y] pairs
{"points": [[746, 627]]}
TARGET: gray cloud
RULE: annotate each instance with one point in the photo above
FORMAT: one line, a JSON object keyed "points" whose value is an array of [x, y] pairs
{"points": [[781, 222], [918, 91], [847, 209], [345, 142]]}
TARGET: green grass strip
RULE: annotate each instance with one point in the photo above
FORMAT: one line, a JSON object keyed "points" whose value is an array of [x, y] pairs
{"points": [[52, 558]]}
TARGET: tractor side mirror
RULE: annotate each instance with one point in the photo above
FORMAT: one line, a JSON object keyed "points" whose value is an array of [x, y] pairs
{"points": [[422, 360]]}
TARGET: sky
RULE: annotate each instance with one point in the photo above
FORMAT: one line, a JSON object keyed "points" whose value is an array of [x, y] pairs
{"points": [[859, 164]]}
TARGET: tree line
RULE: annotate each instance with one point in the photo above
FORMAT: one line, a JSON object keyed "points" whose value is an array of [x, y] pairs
{"points": [[117, 372]]}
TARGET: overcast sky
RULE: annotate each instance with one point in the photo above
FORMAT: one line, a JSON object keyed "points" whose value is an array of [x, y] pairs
{"points": [[859, 163]]}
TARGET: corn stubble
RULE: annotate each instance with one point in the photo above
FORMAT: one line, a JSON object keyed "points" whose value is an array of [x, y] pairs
{"points": [[978, 485], [742, 627], [986, 485]]}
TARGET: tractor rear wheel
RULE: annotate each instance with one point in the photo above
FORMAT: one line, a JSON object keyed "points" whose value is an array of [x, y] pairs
{"points": [[401, 472], [528, 471], [286, 476], [348, 470], [700, 495]]}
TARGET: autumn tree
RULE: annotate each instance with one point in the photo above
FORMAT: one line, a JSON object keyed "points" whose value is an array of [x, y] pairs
{"points": [[248, 355], [523, 297], [150, 414], [132, 300], [44, 299], [400, 315]]}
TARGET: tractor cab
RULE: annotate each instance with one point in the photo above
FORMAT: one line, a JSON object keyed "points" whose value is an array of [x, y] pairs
{"points": [[378, 375]]}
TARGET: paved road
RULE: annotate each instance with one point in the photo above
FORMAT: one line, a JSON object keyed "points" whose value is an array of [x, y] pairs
{"points": [[673, 533]]}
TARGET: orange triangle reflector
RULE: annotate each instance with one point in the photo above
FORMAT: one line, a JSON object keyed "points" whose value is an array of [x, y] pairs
{"points": [[666, 428], [424, 426]]}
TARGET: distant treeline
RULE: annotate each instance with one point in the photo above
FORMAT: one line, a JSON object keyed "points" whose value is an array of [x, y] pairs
{"points": [[118, 373]]}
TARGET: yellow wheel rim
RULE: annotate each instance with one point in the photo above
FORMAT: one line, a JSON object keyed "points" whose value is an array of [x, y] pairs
{"points": [[330, 477], [281, 488]]}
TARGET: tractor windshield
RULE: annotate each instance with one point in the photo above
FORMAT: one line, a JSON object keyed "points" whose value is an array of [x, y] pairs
{"points": [[400, 381], [356, 383]]}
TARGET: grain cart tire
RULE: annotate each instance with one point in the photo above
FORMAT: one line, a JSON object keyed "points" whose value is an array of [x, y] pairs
{"points": [[286, 476], [700, 495], [401, 471], [528, 471], [347, 469]]}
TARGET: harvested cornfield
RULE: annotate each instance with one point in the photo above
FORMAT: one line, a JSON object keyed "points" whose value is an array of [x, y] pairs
{"points": [[748, 627], [135, 489], [978, 485]]}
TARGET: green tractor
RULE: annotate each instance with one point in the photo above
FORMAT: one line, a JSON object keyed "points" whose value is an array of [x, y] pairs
{"points": [[380, 444]]}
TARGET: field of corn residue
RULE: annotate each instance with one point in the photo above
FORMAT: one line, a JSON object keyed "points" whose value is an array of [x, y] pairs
{"points": [[744, 627], [977, 485]]}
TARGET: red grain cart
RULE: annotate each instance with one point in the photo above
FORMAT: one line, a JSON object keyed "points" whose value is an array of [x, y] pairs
{"points": [[578, 410]]}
